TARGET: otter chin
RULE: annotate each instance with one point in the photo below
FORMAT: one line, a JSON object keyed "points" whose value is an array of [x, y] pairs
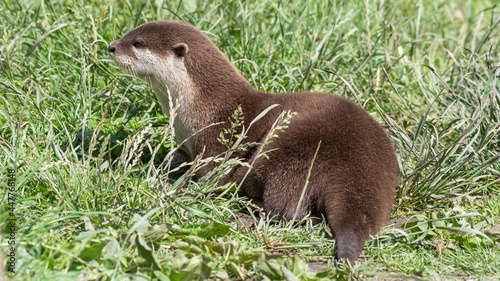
{"points": [[354, 175]]}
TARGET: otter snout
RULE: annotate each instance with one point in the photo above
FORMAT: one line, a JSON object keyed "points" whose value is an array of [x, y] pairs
{"points": [[112, 48]]}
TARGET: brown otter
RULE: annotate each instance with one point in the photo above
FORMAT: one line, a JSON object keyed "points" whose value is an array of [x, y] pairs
{"points": [[353, 178]]}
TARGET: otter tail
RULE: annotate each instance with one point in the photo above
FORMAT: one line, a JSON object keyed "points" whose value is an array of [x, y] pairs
{"points": [[350, 243], [354, 215]]}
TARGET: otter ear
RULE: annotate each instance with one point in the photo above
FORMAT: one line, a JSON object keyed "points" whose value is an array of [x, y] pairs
{"points": [[181, 49]]}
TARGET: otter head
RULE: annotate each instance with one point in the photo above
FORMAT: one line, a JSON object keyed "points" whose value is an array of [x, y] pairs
{"points": [[156, 52], [176, 57]]}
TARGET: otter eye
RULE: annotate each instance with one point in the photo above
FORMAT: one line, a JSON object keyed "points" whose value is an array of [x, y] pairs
{"points": [[137, 44]]}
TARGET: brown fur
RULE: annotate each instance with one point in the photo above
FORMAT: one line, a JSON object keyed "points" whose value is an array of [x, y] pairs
{"points": [[354, 176]]}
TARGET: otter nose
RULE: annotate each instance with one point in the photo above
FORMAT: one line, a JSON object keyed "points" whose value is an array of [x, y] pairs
{"points": [[111, 48]]}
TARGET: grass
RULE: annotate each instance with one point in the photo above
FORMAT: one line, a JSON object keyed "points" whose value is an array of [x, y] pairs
{"points": [[91, 147]]}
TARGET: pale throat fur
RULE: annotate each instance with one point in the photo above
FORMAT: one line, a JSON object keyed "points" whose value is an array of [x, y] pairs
{"points": [[174, 89]]}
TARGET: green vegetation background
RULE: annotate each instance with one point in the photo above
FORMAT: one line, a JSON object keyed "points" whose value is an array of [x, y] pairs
{"points": [[90, 145]]}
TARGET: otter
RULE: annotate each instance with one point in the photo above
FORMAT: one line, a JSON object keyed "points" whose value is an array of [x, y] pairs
{"points": [[354, 175]]}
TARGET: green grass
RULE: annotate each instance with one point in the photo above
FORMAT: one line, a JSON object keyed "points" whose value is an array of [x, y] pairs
{"points": [[91, 145]]}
